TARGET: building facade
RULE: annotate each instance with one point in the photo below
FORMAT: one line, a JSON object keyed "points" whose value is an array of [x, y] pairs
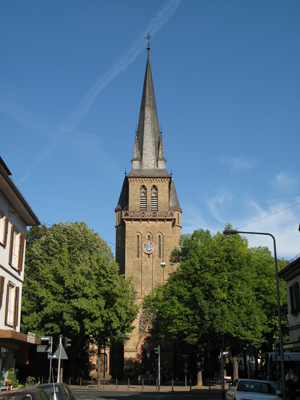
{"points": [[291, 275], [148, 221], [15, 216]]}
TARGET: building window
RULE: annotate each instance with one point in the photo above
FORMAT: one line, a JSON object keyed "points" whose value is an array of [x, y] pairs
{"points": [[154, 198], [12, 305], [3, 228], [137, 246], [17, 242], [143, 198], [159, 246], [294, 298]]}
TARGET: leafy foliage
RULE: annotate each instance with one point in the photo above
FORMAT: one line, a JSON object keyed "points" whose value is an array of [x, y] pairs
{"points": [[222, 287], [72, 286], [209, 292]]}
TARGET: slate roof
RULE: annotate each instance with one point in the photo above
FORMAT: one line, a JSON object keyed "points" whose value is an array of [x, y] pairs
{"points": [[148, 155]]}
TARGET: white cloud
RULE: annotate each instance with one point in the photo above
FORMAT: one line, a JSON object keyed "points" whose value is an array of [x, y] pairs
{"points": [[79, 113], [192, 218], [217, 204], [284, 182], [238, 163], [281, 219]]}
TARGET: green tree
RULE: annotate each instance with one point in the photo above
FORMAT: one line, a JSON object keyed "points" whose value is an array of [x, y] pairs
{"points": [[72, 287], [264, 284], [215, 291]]}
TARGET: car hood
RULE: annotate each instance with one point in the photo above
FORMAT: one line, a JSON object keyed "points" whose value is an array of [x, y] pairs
{"points": [[256, 396]]}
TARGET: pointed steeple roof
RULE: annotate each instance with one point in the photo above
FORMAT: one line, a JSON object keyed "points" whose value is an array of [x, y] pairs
{"points": [[148, 155]]}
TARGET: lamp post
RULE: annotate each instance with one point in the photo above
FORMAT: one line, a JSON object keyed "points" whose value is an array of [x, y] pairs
{"points": [[163, 264], [234, 232]]}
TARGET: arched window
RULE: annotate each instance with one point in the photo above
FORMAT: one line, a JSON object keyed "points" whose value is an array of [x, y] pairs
{"points": [[137, 246], [143, 198], [159, 246], [154, 198]]}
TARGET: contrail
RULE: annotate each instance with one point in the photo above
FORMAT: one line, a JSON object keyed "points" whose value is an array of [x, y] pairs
{"points": [[126, 59]]}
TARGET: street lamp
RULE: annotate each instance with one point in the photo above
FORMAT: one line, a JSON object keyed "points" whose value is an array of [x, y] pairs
{"points": [[233, 232], [163, 264]]}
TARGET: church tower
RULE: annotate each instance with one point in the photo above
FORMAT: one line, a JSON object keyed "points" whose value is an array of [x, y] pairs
{"points": [[148, 214]]}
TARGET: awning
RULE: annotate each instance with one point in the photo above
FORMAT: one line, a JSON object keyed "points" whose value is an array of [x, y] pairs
{"points": [[17, 337]]}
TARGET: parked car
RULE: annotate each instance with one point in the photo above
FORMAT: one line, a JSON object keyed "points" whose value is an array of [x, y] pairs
{"points": [[57, 391], [251, 389], [26, 394]]}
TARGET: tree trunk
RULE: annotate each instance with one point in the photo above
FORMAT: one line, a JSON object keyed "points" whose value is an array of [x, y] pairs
{"points": [[235, 367], [98, 365], [199, 367]]}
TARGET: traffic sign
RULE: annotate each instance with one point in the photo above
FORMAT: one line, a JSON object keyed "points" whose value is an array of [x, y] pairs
{"points": [[43, 348], [48, 338], [60, 353]]}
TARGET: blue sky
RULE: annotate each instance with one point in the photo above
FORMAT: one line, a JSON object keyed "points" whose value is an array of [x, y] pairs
{"points": [[227, 86]]}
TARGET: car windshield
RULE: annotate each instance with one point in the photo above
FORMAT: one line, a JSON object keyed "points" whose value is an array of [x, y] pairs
{"points": [[52, 391], [16, 396], [252, 386]]}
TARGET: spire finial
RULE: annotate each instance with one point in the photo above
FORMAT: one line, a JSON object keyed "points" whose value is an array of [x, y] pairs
{"points": [[148, 37]]}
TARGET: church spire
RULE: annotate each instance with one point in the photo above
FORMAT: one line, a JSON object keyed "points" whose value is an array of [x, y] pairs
{"points": [[148, 156]]}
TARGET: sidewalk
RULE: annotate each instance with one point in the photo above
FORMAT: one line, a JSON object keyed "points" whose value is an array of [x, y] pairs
{"points": [[147, 388]]}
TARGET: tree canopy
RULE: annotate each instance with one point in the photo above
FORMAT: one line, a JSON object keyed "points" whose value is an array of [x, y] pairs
{"points": [[222, 287], [72, 286]]}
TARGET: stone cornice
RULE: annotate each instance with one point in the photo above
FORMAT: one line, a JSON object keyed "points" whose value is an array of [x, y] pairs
{"points": [[140, 215], [150, 180]]}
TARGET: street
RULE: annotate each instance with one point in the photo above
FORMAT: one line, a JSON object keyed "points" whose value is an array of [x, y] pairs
{"points": [[95, 394]]}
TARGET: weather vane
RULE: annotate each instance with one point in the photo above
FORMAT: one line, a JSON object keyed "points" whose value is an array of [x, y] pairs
{"points": [[148, 37]]}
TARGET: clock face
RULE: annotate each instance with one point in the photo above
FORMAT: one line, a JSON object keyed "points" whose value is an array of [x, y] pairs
{"points": [[148, 247]]}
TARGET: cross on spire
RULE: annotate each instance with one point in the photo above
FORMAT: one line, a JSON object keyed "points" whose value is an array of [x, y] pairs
{"points": [[148, 37]]}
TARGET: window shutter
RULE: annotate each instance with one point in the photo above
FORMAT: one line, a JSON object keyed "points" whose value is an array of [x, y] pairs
{"points": [[7, 302], [5, 229], [2, 280], [11, 244], [16, 310], [143, 198], [296, 296], [21, 251], [154, 199]]}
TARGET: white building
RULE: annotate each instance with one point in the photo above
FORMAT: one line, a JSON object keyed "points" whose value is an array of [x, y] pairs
{"points": [[15, 216]]}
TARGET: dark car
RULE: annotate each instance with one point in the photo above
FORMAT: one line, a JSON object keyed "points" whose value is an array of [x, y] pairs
{"points": [[57, 391], [26, 394]]}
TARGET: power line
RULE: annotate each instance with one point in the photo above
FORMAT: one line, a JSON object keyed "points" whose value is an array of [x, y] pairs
{"points": [[269, 215]]}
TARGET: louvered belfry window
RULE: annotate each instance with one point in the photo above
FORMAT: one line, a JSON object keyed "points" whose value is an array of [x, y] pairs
{"points": [[143, 198], [154, 198]]}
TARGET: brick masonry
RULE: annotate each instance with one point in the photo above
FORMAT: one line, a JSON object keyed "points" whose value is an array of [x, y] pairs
{"points": [[146, 269]]}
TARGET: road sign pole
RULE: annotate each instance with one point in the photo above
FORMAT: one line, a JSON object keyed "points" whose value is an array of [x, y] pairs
{"points": [[159, 371], [59, 358], [50, 366]]}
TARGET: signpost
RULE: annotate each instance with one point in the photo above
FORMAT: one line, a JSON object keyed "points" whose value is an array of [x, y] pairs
{"points": [[61, 355], [46, 348], [157, 351], [185, 369]]}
